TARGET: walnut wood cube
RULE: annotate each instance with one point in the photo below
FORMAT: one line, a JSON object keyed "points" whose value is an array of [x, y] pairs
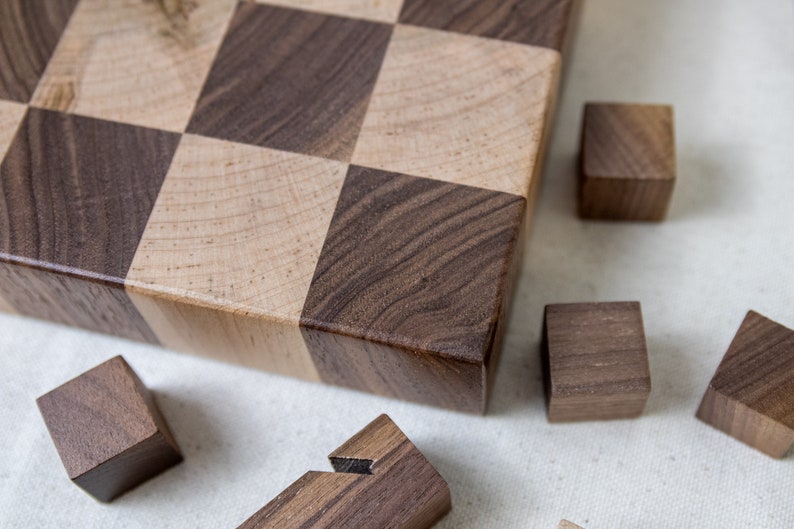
{"points": [[628, 167], [595, 361], [751, 396], [108, 430]]}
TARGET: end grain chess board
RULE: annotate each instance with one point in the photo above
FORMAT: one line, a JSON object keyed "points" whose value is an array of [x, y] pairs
{"points": [[329, 189]]}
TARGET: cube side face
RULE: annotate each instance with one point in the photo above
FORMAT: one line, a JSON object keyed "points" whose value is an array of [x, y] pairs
{"points": [[627, 162], [624, 199], [129, 469], [108, 430], [595, 361], [744, 424]]}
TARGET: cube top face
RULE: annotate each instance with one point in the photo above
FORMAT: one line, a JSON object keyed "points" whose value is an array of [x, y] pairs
{"points": [[758, 369], [597, 349], [628, 141], [98, 415]]}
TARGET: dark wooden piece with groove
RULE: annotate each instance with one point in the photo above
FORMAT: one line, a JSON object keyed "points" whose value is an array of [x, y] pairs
{"points": [[751, 396], [595, 361], [380, 480], [108, 430], [627, 162]]}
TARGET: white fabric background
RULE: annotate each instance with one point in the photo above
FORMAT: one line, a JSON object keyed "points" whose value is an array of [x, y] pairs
{"points": [[728, 246]]}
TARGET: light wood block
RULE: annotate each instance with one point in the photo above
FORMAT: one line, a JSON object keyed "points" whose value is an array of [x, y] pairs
{"points": [[141, 63], [628, 167], [332, 190], [565, 524], [108, 430], [595, 361], [751, 396], [380, 480]]}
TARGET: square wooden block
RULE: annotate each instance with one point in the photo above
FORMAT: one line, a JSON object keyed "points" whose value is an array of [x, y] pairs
{"points": [[751, 396], [627, 162], [108, 430], [595, 361]]}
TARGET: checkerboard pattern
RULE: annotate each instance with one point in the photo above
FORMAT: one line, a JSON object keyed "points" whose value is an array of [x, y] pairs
{"points": [[327, 189]]}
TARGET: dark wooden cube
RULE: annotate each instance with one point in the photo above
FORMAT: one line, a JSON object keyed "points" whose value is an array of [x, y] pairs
{"points": [[751, 396], [628, 167], [108, 430], [595, 361]]}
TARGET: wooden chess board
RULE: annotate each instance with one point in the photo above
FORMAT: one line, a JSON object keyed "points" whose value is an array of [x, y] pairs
{"points": [[329, 189]]}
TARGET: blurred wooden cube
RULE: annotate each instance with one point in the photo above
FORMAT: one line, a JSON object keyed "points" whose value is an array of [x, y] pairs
{"points": [[108, 430], [595, 361], [628, 167]]}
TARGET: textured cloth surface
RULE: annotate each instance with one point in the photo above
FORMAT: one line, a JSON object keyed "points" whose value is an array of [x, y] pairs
{"points": [[728, 246]]}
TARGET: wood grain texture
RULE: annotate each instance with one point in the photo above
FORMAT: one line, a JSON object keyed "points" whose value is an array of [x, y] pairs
{"points": [[378, 10], [250, 251], [108, 430], [751, 396], [308, 79], [381, 480], [399, 372], [134, 61], [535, 22], [595, 361], [627, 161], [76, 192], [75, 195], [459, 109], [29, 32], [72, 300], [565, 524], [221, 261], [417, 264]]}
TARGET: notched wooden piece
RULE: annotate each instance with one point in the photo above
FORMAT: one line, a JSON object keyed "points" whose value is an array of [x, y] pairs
{"points": [[565, 524], [751, 396], [108, 430], [595, 361], [627, 162], [381, 480]]}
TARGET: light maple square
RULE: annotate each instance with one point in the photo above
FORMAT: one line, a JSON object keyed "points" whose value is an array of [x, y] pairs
{"points": [[136, 62], [238, 226], [459, 108], [229, 251], [11, 115]]}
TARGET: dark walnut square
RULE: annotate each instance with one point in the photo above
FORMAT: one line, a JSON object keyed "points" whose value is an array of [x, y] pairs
{"points": [[595, 361], [108, 430]]}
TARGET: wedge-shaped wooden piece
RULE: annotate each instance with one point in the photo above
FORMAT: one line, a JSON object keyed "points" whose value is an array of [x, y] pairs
{"points": [[751, 396], [565, 524], [381, 480]]}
